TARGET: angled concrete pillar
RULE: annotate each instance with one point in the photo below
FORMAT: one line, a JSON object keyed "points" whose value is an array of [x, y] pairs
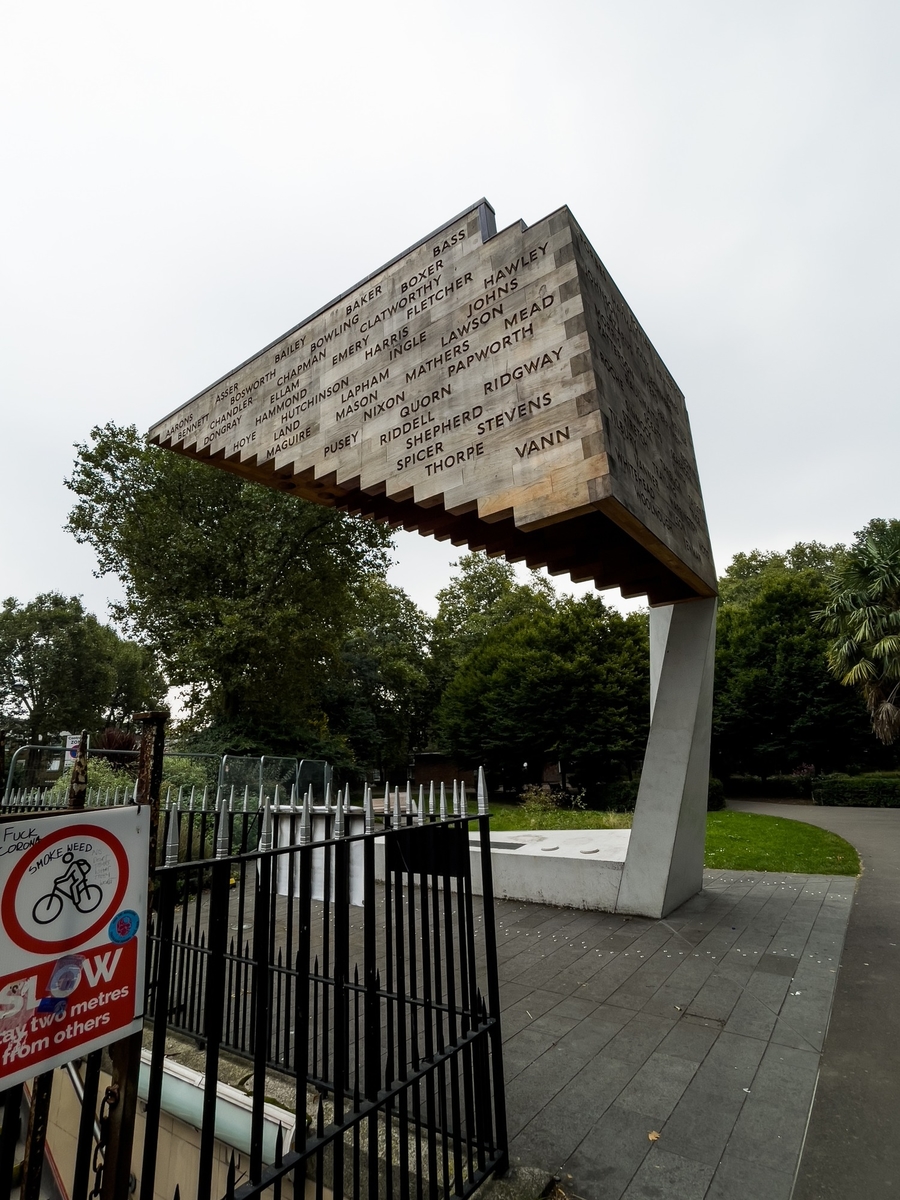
{"points": [[664, 865]]}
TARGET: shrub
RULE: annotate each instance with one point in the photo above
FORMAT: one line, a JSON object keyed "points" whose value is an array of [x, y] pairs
{"points": [[536, 801], [117, 746], [774, 787], [621, 796], [858, 791], [101, 773], [715, 797], [188, 773]]}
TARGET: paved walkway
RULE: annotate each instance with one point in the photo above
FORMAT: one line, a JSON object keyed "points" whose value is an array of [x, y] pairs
{"points": [[852, 1149], [705, 1029]]}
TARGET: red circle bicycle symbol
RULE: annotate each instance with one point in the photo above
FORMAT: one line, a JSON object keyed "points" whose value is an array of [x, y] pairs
{"points": [[44, 946]]}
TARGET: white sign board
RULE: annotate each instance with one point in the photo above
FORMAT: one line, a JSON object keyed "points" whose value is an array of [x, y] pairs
{"points": [[73, 924]]}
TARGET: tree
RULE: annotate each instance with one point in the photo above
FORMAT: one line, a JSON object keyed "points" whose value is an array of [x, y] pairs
{"points": [[863, 617], [245, 593], [776, 707], [380, 691], [483, 595], [565, 681], [61, 669]]}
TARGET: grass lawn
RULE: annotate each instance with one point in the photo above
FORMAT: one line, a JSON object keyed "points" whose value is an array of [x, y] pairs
{"points": [[516, 817], [735, 841], [751, 842]]}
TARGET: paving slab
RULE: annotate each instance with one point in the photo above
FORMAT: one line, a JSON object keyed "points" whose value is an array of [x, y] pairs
{"points": [[851, 1149], [691, 1028]]}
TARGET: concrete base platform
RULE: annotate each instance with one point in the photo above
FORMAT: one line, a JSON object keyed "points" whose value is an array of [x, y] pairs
{"points": [[568, 868]]}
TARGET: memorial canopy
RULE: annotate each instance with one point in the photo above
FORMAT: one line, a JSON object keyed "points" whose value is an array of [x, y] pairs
{"points": [[493, 389]]}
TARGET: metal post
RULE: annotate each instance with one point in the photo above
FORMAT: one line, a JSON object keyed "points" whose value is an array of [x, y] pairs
{"points": [[493, 974], [78, 777], [9, 1137], [165, 917], [88, 1129], [37, 1136], [122, 1103], [126, 1054], [214, 1010], [150, 772]]}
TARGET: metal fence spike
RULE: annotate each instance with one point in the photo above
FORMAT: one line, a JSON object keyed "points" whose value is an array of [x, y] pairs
{"points": [[443, 808], [265, 835], [397, 813], [338, 814], [420, 811], [223, 839], [431, 798], [172, 839], [306, 821], [328, 796], [370, 810], [482, 792]]}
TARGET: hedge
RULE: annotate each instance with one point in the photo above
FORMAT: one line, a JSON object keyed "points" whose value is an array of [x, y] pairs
{"points": [[621, 796], [858, 791], [774, 787]]}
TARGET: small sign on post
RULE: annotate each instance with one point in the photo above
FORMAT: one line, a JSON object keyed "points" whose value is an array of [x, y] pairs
{"points": [[73, 916], [72, 742]]}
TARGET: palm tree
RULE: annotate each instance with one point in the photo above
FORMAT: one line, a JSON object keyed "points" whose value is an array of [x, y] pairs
{"points": [[864, 618]]}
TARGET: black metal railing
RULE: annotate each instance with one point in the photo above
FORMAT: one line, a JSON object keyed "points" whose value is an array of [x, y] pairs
{"points": [[349, 953]]}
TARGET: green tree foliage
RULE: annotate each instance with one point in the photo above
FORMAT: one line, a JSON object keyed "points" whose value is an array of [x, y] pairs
{"points": [[564, 680], [61, 669], [381, 692], [863, 618], [483, 595], [246, 593], [776, 707]]}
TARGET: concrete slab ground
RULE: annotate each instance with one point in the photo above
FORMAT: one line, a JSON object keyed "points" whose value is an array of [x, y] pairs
{"points": [[704, 1028], [852, 1149]]}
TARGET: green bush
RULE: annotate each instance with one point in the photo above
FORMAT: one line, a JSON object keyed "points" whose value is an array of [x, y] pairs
{"points": [[618, 796], [774, 787], [196, 773], [102, 774], [715, 798], [621, 795], [858, 791]]}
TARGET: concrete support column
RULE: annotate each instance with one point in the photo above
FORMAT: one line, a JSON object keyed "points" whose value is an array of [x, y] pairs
{"points": [[664, 866]]}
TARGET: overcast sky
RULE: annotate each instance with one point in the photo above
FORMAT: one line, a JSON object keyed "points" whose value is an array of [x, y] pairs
{"points": [[183, 182]]}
